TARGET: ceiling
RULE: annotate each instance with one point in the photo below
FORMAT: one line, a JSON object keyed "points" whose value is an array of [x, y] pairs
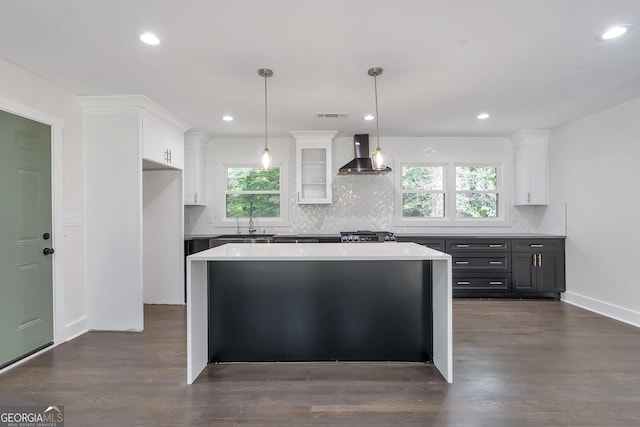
{"points": [[531, 64]]}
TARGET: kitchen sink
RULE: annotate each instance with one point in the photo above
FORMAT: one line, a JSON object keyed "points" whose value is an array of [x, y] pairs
{"points": [[244, 238]]}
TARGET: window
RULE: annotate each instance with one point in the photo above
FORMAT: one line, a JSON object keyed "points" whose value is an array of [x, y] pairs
{"points": [[450, 194], [423, 191], [251, 188], [476, 192]]}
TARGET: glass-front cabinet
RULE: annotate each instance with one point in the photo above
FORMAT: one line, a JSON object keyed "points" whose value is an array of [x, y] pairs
{"points": [[313, 166]]}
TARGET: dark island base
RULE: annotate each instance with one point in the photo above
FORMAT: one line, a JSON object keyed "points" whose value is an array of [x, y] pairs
{"points": [[299, 311]]}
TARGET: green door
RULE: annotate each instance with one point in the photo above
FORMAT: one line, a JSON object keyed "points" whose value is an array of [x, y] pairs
{"points": [[26, 284]]}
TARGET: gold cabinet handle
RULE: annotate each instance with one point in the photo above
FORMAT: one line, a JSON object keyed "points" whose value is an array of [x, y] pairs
{"points": [[496, 245], [495, 283], [539, 260], [535, 260], [463, 283], [462, 262], [537, 245], [460, 245], [495, 262]]}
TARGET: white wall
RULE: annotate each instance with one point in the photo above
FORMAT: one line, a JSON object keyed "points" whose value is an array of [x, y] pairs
{"points": [[594, 168], [163, 259], [366, 202], [28, 90]]}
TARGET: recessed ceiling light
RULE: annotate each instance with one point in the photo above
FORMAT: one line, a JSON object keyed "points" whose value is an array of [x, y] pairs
{"points": [[369, 117], [483, 116], [227, 118], [614, 32], [150, 39]]}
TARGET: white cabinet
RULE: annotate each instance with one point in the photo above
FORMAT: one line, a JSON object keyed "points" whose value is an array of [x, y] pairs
{"points": [[162, 143], [313, 166], [134, 224], [530, 167], [195, 168]]}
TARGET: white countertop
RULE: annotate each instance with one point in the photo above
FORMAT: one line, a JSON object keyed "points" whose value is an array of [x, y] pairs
{"points": [[318, 252]]}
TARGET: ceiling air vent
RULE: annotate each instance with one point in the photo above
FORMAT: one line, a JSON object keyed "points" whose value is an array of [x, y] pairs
{"points": [[333, 115]]}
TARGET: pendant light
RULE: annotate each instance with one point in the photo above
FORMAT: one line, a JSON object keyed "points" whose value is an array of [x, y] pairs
{"points": [[377, 159], [266, 154]]}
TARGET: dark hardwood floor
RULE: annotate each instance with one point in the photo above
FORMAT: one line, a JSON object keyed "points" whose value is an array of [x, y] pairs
{"points": [[516, 363]]}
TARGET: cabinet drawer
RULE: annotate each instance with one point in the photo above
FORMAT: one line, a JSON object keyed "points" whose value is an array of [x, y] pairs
{"points": [[538, 245], [497, 282], [481, 262], [469, 245]]}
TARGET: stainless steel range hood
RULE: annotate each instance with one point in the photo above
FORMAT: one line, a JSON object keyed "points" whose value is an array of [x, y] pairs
{"points": [[361, 164]]}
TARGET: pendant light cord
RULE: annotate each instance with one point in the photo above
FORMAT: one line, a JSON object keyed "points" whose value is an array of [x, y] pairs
{"points": [[375, 85], [265, 112]]}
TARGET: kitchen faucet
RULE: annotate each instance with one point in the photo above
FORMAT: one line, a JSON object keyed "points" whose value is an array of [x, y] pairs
{"points": [[252, 229]]}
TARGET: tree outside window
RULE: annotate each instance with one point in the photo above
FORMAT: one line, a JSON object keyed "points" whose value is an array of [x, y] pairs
{"points": [[253, 187], [423, 191], [477, 192]]}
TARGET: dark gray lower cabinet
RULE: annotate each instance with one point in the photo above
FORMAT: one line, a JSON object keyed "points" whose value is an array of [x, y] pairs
{"points": [[481, 267], [499, 267], [538, 274]]}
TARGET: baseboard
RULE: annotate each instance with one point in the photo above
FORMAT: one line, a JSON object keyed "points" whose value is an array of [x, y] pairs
{"points": [[606, 309], [75, 329]]}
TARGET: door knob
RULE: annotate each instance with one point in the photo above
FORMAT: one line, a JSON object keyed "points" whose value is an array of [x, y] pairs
{"points": [[48, 251]]}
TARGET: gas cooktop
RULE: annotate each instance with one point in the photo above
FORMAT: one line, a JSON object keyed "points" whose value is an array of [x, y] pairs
{"points": [[363, 236]]}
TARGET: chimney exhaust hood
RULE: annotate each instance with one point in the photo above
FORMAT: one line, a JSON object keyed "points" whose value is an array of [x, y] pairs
{"points": [[361, 164]]}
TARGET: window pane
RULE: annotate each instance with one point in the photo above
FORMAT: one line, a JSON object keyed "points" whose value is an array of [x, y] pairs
{"points": [[422, 178], [476, 205], [264, 205], [430, 205], [476, 178], [253, 179]]}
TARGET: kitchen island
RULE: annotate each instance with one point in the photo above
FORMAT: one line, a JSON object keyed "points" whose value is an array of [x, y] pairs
{"points": [[308, 302]]}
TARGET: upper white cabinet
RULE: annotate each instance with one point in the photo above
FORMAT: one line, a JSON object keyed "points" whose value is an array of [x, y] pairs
{"points": [[313, 166], [531, 167], [162, 143], [195, 168]]}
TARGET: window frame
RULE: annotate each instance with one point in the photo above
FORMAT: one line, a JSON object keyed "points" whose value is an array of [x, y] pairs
{"points": [[221, 199]]}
